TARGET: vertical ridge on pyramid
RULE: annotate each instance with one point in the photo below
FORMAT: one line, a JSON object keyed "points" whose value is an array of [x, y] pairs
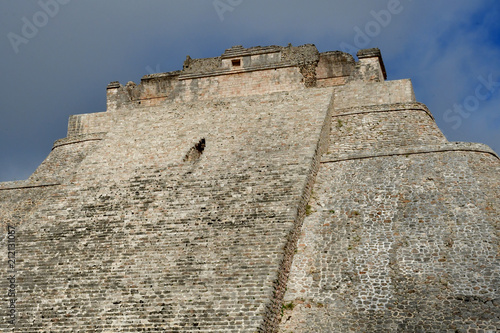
{"points": [[268, 189]]}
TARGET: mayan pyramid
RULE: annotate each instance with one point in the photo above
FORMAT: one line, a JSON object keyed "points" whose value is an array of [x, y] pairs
{"points": [[270, 189]]}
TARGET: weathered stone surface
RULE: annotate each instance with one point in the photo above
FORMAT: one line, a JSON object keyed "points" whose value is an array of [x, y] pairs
{"points": [[403, 230], [268, 189]]}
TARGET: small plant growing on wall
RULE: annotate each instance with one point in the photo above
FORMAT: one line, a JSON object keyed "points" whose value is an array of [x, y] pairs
{"points": [[308, 210]]}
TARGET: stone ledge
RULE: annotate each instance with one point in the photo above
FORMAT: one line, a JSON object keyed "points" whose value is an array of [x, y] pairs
{"points": [[113, 85], [239, 51], [24, 184], [411, 150], [232, 71], [154, 76], [79, 138], [384, 108]]}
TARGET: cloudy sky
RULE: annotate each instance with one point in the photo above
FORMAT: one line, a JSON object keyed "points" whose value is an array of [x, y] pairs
{"points": [[57, 56]]}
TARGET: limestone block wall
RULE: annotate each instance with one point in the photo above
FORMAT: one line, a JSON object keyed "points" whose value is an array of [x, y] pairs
{"points": [[397, 244], [402, 231], [64, 159], [360, 93], [241, 84], [244, 72], [379, 127], [190, 87], [141, 239], [88, 124], [334, 68]]}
